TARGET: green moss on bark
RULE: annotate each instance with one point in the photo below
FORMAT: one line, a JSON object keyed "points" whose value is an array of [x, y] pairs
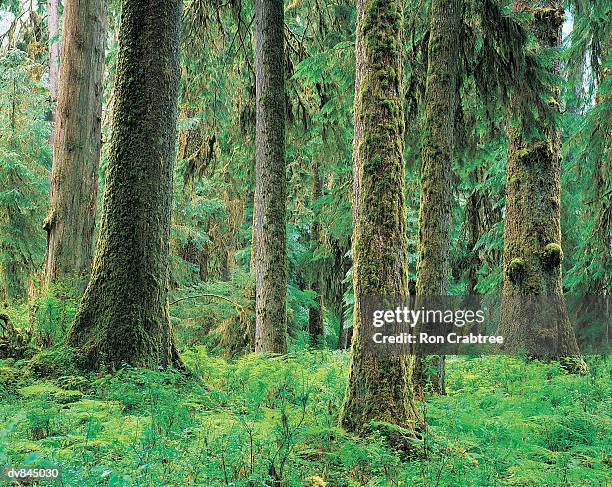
{"points": [[270, 220], [532, 256], [123, 316], [380, 388], [441, 101], [517, 270], [552, 256]]}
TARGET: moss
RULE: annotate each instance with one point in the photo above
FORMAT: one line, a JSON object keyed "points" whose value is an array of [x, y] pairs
{"points": [[73, 383], [53, 362], [378, 389], [51, 391], [399, 439], [552, 256], [8, 376], [517, 270], [66, 397], [574, 365], [314, 481]]}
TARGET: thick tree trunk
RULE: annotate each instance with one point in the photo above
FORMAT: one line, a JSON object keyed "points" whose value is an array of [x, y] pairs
{"points": [[70, 224], [435, 217], [379, 388], [271, 191], [123, 316], [532, 232]]}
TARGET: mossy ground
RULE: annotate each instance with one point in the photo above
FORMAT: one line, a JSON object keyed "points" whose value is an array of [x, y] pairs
{"points": [[503, 422]]}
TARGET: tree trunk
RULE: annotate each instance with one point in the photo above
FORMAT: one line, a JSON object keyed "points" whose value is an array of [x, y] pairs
{"points": [[435, 216], [335, 288], [315, 315], [532, 232], [123, 316], [479, 217], [271, 191], [70, 224], [379, 388], [52, 24]]}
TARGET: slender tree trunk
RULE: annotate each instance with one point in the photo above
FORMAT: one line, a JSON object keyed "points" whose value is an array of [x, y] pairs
{"points": [[532, 232], [601, 241], [123, 316], [70, 224], [435, 216], [379, 388], [334, 292], [480, 216], [271, 191], [315, 315], [52, 23]]}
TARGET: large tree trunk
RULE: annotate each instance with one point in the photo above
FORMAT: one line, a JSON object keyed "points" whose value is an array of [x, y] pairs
{"points": [[379, 388], [271, 185], [435, 217], [532, 232], [70, 224], [123, 316]]}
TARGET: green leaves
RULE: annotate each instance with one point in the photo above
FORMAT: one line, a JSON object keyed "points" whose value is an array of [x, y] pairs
{"points": [[25, 159]]}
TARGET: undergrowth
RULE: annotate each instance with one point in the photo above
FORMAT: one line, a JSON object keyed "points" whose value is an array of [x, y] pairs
{"points": [[273, 421]]}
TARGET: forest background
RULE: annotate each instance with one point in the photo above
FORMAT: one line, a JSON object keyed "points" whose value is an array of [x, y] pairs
{"points": [[502, 421]]}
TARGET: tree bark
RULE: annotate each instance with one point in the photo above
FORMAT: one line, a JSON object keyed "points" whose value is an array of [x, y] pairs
{"points": [[123, 317], [52, 23], [315, 315], [532, 232], [271, 191], [335, 288], [435, 218], [70, 224], [379, 388]]}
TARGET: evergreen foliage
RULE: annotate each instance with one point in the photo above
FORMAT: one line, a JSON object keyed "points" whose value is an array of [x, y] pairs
{"points": [[235, 418]]}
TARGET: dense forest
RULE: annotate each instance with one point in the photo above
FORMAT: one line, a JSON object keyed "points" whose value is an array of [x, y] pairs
{"points": [[200, 200]]}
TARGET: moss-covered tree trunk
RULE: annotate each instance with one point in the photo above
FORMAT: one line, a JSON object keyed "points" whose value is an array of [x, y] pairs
{"points": [[435, 218], [315, 315], [271, 186], [123, 316], [379, 388], [532, 232], [70, 224], [479, 217], [335, 288]]}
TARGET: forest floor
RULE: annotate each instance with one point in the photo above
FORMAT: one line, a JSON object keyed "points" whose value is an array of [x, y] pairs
{"points": [[504, 421]]}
